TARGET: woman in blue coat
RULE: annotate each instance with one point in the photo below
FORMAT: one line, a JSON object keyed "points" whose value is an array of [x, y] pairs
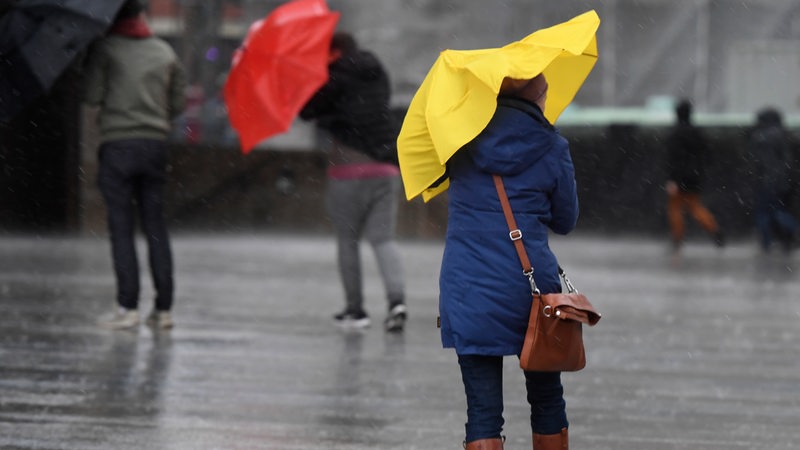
{"points": [[485, 299]]}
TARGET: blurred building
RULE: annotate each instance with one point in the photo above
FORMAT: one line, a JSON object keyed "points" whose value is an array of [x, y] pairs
{"points": [[729, 56]]}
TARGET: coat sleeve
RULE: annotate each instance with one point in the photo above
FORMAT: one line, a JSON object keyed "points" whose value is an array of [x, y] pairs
{"points": [[564, 199], [323, 103], [320, 105], [672, 157], [345, 81]]}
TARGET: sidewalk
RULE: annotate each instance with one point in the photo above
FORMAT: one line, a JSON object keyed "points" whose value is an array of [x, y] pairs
{"points": [[700, 353]]}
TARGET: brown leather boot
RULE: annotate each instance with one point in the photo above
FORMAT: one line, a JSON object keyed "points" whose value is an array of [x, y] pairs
{"points": [[485, 444], [558, 441]]}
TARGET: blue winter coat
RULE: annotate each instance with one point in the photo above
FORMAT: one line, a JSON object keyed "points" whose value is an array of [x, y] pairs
{"points": [[485, 299]]}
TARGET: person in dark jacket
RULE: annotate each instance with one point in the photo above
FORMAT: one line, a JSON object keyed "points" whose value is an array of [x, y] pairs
{"points": [[137, 82], [687, 151], [771, 151], [352, 109], [484, 299]]}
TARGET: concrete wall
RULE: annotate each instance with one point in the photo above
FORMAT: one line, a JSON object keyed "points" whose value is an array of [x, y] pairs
{"points": [[221, 189], [621, 172], [619, 169]]}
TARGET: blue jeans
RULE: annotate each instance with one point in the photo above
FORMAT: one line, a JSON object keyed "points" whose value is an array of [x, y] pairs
{"points": [[483, 384], [131, 177], [773, 217]]}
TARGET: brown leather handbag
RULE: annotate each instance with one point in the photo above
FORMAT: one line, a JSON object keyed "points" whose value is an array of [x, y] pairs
{"points": [[554, 339]]}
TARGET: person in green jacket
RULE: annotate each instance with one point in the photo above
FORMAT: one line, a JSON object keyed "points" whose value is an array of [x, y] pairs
{"points": [[138, 84]]}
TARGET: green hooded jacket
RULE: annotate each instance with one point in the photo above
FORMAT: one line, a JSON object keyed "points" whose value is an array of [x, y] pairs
{"points": [[138, 84]]}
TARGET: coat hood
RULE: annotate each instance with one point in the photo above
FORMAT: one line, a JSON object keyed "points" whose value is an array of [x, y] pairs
{"points": [[518, 134]]}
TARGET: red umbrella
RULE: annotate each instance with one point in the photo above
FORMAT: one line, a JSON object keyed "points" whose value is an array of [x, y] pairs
{"points": [[282, 62]]}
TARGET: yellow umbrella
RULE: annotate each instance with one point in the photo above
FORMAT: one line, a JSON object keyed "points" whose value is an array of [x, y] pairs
{"points": [[458, 97]]}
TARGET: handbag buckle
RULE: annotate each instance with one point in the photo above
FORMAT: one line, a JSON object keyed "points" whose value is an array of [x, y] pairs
{"points": [[534, 288], [515, 235], [547, 310], [570, 288]]}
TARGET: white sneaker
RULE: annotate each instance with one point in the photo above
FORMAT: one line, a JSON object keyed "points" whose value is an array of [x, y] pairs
{"points": [[352, 320], [160, 319], [396, 320], [123, 319]]}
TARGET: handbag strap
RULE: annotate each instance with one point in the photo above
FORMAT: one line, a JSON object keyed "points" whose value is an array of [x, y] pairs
{"points": [[516, 237], [515, 233]]}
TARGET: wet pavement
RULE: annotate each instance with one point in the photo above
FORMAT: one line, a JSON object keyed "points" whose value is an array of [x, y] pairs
{"points": [[697, 352]]}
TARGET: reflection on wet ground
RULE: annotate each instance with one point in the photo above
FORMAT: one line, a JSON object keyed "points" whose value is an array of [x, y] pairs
{"points": [[698, 351]]}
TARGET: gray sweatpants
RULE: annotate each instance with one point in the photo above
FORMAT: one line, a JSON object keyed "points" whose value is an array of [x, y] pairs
{"points": [[366, 208]]}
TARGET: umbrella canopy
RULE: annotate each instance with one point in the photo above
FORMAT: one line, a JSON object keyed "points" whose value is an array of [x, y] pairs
{"points": [[458, 96], [283, 61], [39, 39]]}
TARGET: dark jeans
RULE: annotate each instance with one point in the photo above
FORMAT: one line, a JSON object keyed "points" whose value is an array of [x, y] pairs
{"points": [[483, 384], [131, 178], [773, 217]]}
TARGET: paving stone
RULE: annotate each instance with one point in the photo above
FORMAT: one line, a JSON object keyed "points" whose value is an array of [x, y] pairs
{"points": [[696, 352]]}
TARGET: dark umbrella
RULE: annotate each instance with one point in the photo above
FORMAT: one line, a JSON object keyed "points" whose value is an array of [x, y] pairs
{"points": [[39, 39]]}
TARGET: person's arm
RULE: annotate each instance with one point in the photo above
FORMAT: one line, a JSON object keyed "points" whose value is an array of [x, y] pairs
{"points": [[319, 105], [672, 163], [704, 149], [323, 102], [342, 77], [564, 198]]}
